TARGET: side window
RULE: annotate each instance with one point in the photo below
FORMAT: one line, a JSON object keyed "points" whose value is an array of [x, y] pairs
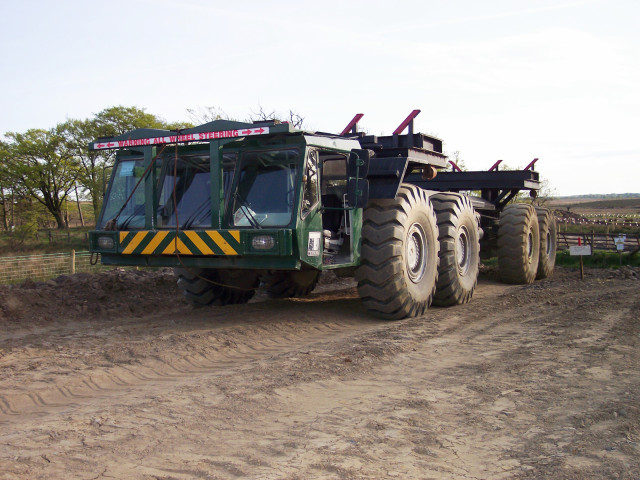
{"points": [[334, 174], [310, 179]]}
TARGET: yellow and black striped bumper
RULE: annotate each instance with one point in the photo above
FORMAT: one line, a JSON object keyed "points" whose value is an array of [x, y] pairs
{"points": [[187, 242]]}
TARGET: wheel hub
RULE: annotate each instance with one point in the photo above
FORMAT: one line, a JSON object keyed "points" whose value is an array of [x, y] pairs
{"points": [[416, 246], [462, 250], [548, 243]]}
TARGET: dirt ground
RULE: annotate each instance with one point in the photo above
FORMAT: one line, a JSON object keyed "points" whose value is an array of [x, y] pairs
{"points": [[114, 376]]}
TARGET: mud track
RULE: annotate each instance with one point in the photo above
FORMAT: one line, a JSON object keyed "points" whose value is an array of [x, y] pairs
{"points": [[114, 376]]}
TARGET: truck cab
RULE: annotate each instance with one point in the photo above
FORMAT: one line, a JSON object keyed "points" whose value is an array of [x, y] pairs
{"points": [[271, 200]]}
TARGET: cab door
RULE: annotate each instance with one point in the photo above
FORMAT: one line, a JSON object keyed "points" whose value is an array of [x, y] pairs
{"points": [[310, 239], [337, 219]]}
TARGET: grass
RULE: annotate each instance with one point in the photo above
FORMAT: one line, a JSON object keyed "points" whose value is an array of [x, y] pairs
{"points": [[599, 259], [46, 241], [49, 240]]}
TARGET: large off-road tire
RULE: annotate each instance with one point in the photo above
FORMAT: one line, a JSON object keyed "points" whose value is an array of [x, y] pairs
{"points": [[287, 284], [548, 242], [399, 259], [518, 244], [459, 239], [209, 286]]}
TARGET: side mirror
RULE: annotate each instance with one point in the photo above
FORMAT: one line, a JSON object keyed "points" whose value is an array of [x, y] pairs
{"points": [[358, 165], [357, 193]]}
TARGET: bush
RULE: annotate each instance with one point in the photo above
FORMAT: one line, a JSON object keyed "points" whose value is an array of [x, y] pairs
{"points": [[26, 230]]}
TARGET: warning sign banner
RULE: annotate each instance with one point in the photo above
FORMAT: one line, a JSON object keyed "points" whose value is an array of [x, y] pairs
{"points": [[189, 137]]}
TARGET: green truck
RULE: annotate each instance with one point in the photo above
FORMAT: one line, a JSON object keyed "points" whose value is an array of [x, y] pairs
{"points": [[230, 205]]}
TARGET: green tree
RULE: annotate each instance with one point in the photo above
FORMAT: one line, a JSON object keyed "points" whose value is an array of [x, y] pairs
{"points": [[117, 120], [5, 185], [545, 194], [110, 122], [44, 167], [91, 164], [29, 217], [456, 158]]}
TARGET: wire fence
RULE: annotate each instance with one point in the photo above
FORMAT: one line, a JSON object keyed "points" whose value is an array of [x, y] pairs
{"points": [[600, 241], [39, 268]]}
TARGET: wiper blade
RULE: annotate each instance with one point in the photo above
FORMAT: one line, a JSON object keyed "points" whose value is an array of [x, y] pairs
{"points": [[198, 211], [136, 211], [246, 210]]}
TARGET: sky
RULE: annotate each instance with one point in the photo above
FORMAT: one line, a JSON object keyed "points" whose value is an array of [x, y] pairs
{"points": [[495, 80]]}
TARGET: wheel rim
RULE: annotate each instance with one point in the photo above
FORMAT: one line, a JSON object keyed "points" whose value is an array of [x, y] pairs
{"points": [[416, 247], [549, 245], [462, 250]]}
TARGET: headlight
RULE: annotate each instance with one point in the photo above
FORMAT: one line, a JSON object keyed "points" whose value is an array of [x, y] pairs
{"points": [[105, 243], [263, 242]]}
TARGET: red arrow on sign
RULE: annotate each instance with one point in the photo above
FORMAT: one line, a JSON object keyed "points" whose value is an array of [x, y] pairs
{"points": [[247, 132], [259, 130], [100, 145], [111, 144]]}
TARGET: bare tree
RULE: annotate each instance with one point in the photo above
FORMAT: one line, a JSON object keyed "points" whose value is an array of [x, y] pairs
{"points": [[293, 117], [202, 115]]}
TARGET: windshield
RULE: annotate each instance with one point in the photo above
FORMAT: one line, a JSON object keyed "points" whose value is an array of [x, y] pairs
{"points": [[265, 191], [192, 181], [191, 177], [126, 176]]}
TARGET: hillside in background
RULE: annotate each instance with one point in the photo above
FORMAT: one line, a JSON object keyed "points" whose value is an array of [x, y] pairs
{"points": [[599, 196]]}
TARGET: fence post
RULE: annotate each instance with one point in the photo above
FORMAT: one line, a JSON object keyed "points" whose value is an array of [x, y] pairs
{"points": [[73, 262]]}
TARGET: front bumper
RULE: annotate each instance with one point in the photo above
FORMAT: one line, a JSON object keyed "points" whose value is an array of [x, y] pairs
{"points": [[213, 247]]}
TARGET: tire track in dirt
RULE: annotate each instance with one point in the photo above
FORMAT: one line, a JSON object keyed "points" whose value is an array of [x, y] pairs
{"points": [[317, 389], [386, 409], [234, 345]]}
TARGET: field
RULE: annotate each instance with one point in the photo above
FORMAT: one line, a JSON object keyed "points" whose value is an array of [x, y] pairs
{"points": [[623, 206], [608, 208], [597, 215], [111, 376]]}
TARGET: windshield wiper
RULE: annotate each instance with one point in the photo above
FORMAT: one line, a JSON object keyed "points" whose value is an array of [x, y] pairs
{"points": [[136, 211], [198, 211], [246, 210]]}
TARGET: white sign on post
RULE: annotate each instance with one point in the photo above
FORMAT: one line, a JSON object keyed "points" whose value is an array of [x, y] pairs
{"points": [[580, 250], [619, 241]]}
